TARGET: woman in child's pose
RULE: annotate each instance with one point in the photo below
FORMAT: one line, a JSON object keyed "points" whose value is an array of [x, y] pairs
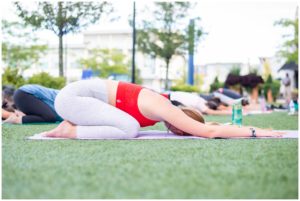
{"points": [[101, 109]]}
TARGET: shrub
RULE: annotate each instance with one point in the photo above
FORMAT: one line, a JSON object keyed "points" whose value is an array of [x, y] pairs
{"points": [[274, 85], [45, 79], [216, 85], [11, 76], [232, 80], [235, 70], [253, 71], [250, 81], [185, 87]]}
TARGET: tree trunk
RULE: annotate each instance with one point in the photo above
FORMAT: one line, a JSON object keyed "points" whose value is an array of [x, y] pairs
{"points": [[254, 94], [270, 96], [167, 75], [60, 48], [60, 57]]}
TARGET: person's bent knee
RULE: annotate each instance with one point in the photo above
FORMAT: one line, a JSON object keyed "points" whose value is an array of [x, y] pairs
{"points": [[132, 130], [62, 104]]}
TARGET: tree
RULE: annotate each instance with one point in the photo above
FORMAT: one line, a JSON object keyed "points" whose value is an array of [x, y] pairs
{"points": [[193, 35], [19, 47], [290, 47], [62, 18], [165, 35], [106, 61]]}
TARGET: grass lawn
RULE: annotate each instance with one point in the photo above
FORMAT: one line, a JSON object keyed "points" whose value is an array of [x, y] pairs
{"points": [[223, 168]]}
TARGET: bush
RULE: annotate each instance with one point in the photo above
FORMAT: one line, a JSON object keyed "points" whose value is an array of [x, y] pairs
{"points": [[253, 71], [216, 85], [250, 81], [274, 85], [235, 70], [46, 80], [185, 87], [232, 80], [11, 76]]}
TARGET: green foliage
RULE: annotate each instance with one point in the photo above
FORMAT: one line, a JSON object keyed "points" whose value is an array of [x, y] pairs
{"points": [[162, 36], [274, 85], [62, 18], [46, 80], [137, 77], [185, 87], [193, 34], [216, 85], [290, 47], [107, 61], [235, 70], [19, 47], [12, 76], [253, 71]]}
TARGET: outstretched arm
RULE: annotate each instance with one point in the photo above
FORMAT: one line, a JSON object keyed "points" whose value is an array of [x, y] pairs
{"points": [[217, 112], [180, 120]]}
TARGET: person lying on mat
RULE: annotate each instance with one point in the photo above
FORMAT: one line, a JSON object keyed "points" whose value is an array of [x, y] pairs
{"points": [[102, 109], [29, 104], [213, 106], [226, 97], [8, 106]]}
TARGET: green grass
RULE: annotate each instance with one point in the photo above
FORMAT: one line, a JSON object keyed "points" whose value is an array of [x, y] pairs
{"points": [[239, 168]]}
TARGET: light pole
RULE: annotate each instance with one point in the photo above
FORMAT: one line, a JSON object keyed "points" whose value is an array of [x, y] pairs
{"points": [[191, 52], [133, 45]]}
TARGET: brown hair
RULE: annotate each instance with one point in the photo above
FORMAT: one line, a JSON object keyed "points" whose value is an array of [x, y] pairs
{"points": [[191, 112]]}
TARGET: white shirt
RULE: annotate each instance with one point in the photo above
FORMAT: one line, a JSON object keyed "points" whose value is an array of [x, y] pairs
{"points": [[189, 100]]}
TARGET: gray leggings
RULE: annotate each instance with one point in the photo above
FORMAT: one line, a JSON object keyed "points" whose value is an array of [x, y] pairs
{"points": [[85, 104]]}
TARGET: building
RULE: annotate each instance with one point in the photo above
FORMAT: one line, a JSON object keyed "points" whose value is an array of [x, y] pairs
{"points": [[152, 70]]}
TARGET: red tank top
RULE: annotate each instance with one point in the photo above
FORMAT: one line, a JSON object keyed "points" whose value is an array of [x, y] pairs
{"points": [[127, 101]]}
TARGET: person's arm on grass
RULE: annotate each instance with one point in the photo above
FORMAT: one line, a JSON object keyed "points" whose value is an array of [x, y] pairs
{"points": [[177, 118], [217, 112]]}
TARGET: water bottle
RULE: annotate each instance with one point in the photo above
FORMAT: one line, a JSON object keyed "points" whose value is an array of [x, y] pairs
{"points": [[291, 108], [296, 106], [237, 114]]}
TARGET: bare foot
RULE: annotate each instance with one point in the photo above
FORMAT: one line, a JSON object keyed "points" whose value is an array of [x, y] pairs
{"points": [[64, 130]]}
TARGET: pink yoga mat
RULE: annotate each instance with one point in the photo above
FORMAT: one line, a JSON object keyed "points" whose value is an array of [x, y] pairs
{"points": [[155, 134]]}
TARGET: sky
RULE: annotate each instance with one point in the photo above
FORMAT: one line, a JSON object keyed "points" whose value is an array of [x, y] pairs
{"points": [[237, 31]]}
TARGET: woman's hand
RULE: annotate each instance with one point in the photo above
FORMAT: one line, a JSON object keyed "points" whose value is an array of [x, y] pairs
{"points": [[268, 133], [14, 119], [19, 113]]}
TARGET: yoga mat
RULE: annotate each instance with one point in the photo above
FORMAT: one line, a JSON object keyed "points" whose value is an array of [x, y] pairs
{"points": [[155, 134], [257, 112]]}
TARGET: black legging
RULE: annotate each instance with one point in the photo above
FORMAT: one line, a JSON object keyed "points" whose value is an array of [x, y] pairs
{"points": [[35, 109]]}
